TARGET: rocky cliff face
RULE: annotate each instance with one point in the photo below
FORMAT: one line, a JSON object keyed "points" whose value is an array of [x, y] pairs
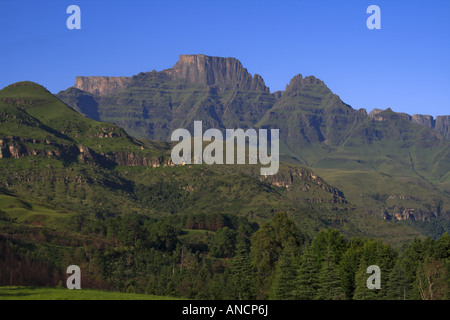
{"points": [[17, 147], [423, 120], [225, 73], [443, 125], [305, 180], [101, 86], [384, 115], [326, 111]]}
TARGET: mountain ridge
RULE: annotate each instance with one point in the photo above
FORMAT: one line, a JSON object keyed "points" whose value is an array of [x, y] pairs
{"points": [[229, 74], [317, 130], [225, 73]]}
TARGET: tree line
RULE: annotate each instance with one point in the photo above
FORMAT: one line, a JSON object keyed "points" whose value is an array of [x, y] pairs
{"points": [[227, 257]]}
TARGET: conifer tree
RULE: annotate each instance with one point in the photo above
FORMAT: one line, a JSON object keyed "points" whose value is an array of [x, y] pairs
{"points": [[243, 274], [398, 287], [329, 279], [361, 290], [306, 283], [284, 283], [348, 266]]}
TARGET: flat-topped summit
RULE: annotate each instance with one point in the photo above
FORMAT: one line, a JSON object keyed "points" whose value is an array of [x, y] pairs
{"points": [[225, 73]]}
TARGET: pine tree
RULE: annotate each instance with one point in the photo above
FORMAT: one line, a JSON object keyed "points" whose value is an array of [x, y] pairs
{"points": [[329, 238], [361, 290], [284, 283], [243, 275], [348, 266], [306, 281], [398, 287], [329, 279]]}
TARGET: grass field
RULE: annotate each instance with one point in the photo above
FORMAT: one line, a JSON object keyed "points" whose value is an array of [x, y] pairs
{"points": [[40, 293], [34, 213]]}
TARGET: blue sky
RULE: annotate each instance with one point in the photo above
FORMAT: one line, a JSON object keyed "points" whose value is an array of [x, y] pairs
{"points": [[404, 66]]}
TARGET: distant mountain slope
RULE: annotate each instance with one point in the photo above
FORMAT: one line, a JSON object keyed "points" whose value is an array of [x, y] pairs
{"points": [[58, 166], [317, 129], [153, 104], [209, 78]]}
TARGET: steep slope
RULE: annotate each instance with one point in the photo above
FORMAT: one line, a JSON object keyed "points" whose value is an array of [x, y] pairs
{"points": [[98, 184], [387, 155], [31, 114], [357, 152], [314, 121], [224, 73], [53, 154], [151, 105]]}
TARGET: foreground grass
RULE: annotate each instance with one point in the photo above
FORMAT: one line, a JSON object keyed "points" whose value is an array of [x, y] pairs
{"points": [[41, 293]]}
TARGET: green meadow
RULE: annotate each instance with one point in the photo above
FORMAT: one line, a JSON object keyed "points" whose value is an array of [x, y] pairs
{"points": [[41, 293]]}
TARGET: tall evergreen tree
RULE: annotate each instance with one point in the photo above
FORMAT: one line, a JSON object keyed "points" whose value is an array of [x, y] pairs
{"points": [[361, 290], [307, 277], [329, 279], [243, 274], [411, 258], [348, 266], [329, 238], [284, 283], [398, 287], [268, 243]]}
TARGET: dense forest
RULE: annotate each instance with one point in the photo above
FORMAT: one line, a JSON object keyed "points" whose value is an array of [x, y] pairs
{"points": [[218, 256]]}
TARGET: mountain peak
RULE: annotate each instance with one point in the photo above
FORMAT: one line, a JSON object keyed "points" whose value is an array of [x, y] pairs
{"points": [[298, 83], [225, 73], [26, 86]]}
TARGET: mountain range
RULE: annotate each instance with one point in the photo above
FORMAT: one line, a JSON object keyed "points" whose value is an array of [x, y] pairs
{"points": [[222, 74], [390, 165], [87, 179], [102, 147]]}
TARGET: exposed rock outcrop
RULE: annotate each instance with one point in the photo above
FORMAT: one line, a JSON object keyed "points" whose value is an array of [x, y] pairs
{"points": [[382, 115], [225, 73], [298, 83], [375, 114], [229, 74], [18, 147], [101, 86], [400, 213], [132, 159], [423, 120], [443, 126], [304, 179]]}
